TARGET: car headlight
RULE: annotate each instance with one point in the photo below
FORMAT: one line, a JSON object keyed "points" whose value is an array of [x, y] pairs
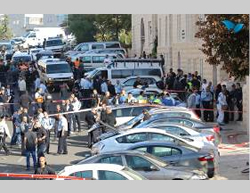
{"points": [[50, 79], [72, 77]]}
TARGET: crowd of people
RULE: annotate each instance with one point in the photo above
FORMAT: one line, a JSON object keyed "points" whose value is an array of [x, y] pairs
{"points": [[28, 104]]}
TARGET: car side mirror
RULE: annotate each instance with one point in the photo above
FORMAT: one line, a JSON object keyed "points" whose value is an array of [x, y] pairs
{"points": [[153, 168]]}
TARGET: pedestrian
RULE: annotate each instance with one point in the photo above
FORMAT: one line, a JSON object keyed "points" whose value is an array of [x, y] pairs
{"points": [[48, 124], [64, 91], [90, 119], [21, 85], [30, 144], [110, 117], [122, 97], [39, 98], [37, 82], [180, 84], [4, 132], [62, 135], [207, 101], [95, 99], [25, 100], [167, 99], [86, 87], [239, 101], [118, 87], [204, 85], [131, 99], [104, 87], [106, 99], [44, 43], [10, 94], [146, 115], [41, 137], [24, 127], [226, 113], [221, 106], [111, 88], [76, 104], [16, 136], [44, 168], [107, 61], [232, 103]]}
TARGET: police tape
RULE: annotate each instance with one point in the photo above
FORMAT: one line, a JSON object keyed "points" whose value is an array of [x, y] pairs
{"points": [[40, 176]]}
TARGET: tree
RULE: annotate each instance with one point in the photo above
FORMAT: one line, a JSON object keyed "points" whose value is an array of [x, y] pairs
{"points": [[111, 25], [125, 38], [5, 31], [224, 46], [82, 26]]}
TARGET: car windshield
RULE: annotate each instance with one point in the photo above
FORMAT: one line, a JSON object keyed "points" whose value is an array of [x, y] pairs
{"points": [[58, 68], [92, 73], [22, 59], [133, 174], [133, 121], [54, 43], [5, 46]]}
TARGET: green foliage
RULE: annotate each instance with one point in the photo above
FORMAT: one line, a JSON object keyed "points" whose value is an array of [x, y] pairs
{"points": [[5, 32], [225, 47], [101, 27], [125, 38]]}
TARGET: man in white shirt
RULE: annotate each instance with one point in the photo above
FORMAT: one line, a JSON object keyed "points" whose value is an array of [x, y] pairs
{"points": [[4, 132], [48, 124], [104, 87], [43, 88], [221, 102], [21, 86], [86, 87], [62, 135], [107, 61], [76, 116]]}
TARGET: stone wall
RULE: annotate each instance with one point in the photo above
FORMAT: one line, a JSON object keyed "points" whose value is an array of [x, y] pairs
{"points": [[246, 107]]}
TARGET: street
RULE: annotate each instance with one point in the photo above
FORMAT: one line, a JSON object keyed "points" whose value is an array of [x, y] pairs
{"points": [[232, 161]]}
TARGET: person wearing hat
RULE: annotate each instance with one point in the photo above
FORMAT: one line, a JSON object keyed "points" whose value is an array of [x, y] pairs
{"points": [[4, 132]]}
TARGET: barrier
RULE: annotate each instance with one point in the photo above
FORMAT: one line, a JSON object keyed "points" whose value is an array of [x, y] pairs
{"points": [[39, 176]]}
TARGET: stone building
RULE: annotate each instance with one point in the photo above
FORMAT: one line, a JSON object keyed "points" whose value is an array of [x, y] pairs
{"points": [[176, 41]]}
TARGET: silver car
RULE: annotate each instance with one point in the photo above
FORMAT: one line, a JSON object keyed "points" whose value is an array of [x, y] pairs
{"points": [[147, 165]]}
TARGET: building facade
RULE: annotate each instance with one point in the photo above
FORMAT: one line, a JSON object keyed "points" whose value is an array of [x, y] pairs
{"points": [[176, 42], [21, 23]]}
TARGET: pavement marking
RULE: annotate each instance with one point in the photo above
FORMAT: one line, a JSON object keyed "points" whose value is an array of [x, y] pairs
{"points": [[20, 159]]}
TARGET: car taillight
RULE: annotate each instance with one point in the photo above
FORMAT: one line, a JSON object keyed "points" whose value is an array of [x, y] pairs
{"points": [[206, 158], [210, 138], [216, 129]]}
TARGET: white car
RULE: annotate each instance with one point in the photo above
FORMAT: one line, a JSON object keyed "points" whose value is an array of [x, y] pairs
{"points": [[128, 83], [101, 172], [167, 111], [123, 140]]}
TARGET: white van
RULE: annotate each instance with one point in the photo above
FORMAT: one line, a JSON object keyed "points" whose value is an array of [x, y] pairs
{"points": [[123, 68], [87, 46], [54, 72], [93, 61]]}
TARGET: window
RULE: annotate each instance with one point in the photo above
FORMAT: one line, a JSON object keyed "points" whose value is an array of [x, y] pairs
{"points": [[33, 35], [86, 59], [144, 149], [165, 151], [130, 82], [118, 74], [98, 59], [138, 110], [177, 114], [111, 160], [84, 48], [133, 138], [54, 43], [83, 174], [174, 130], [183, 122], [112, 45], [103, 73], [97, 46], [161, 137], [58, 68], [138, 163], [125, 112], [148, 80], [108, 175], [152, 72]]}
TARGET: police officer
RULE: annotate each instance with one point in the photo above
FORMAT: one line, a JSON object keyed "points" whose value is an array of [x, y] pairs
{"points": [[4, 132], [62, 135]]}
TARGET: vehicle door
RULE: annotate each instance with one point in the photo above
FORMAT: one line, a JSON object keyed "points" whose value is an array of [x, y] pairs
{"points": [[122, 115], [110, 175], [111, 159], [169, 154], [88, 174], [144, 167]]}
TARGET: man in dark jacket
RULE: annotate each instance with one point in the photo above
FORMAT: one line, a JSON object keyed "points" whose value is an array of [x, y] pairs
{"points": [[91, 120], [110, 118], [44, 168], [239, 100], [180, 84], [111, 88], [25, 100]]}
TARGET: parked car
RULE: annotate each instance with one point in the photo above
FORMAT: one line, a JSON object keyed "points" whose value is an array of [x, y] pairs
{"points": [[34, 51], [119, 51], [161, 111], [178, 155], [21, 57], [201, 126], [101, 172], [124, 140], [43, 54], [147, 165], [181, 131], [128, 83]]}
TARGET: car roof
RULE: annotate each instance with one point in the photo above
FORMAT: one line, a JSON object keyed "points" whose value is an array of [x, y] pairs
{"points": [[99, 166], [151, 143], [20, 54], [143, 76], [96, 54], [165, 109]]}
